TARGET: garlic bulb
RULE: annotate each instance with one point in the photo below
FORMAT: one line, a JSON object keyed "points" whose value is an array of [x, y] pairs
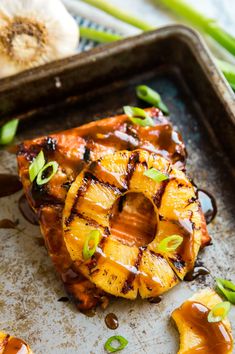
{"points": [[34, 32]]}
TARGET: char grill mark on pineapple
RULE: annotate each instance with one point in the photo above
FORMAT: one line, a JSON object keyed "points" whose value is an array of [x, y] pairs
{"points": [[178, 262], [82, 190], [89, 221], [157, 199], [87, 154], [131, 166], [94, 179], [128, 285]]}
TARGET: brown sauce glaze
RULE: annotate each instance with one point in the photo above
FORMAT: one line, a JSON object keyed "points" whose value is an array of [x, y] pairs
{"points": [[9, 184], [8, 224], [111, 321], [208, 205], [137, 210], [63, 299], [155, 300], [27, 211], [214, 337], [84, 293], [16, 346], [12, 149], [89, 313], [197, 271]]}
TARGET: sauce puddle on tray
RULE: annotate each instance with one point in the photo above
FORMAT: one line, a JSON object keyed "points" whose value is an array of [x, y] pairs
{"points": [[9, 184], [27, 211], [8, 224], [111, 321], [208, 205]]}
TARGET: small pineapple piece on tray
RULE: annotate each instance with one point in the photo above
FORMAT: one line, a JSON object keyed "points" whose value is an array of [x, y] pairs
{"points": [[203, 325], [13, 345]]}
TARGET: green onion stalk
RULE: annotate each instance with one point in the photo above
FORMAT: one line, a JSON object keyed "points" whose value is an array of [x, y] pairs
{"points": [[98, 35], [114, 11], [228, 71], [180, 8], [8, 131], [205, 24]]}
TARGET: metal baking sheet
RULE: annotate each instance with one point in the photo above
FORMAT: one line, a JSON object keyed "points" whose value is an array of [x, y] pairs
{"points": [[71, 92]]}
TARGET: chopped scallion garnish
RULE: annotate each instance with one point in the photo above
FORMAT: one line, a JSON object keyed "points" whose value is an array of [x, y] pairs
{"points": [[207, 25], [120, 14], [98, 35], [91, 244], [148, 95], [170, 244], [227, 288], [156, 175], [138, 116], [53, 165], [109, 344], [8, 131], [36, 166], [219, 312]]}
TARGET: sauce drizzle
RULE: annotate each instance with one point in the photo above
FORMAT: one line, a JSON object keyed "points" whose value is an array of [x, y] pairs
{"points": [[208, 205], [27, 211], [8, 224], [155, 300], [198, 270], [111, 321], [9, 184]]}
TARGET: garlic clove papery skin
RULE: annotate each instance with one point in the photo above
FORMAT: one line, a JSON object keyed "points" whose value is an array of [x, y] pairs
{"points": [[34, 32]]}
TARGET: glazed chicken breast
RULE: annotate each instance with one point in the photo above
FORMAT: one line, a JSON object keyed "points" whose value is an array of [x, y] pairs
{"points": [[80, 149]]}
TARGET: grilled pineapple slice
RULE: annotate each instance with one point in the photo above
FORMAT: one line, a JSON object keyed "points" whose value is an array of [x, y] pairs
{"points": [[197, 335], [117, 267], [12, 345]]}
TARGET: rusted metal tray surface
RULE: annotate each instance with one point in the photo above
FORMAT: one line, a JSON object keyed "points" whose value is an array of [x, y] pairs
{"points": [[68, 93]]}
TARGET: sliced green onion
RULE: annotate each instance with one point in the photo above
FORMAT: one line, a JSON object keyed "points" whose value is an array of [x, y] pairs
{"points": [[228, 71], [54, 166], [156, 175], [219, 312], [120, 339], [98, 35], [170, 244], [36, 166], [114, 11], [138, 116], [147, 94], [8, 132], [88, 251], [206, 25], [227, 288]]}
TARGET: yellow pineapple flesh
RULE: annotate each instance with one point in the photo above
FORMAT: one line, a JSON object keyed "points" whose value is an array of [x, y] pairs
{"points": [[127, 260]]}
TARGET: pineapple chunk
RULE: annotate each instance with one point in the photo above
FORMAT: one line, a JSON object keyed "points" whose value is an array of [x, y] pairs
{"points": [[155, 275], [197, 335], [9, 344], [116, 266]]}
